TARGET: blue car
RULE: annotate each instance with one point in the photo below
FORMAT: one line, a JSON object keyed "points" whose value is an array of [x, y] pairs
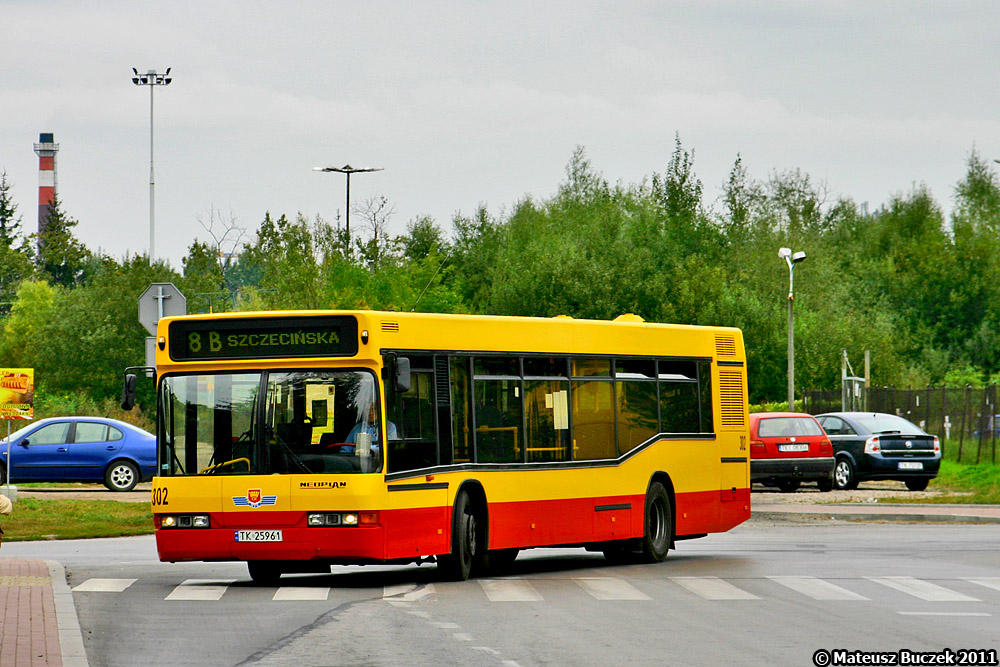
{"points": [[80, 449]]}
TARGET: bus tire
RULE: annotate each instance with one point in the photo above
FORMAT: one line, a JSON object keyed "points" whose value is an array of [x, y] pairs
{"points": [[468, 546], [658, 532], [264, 572]]}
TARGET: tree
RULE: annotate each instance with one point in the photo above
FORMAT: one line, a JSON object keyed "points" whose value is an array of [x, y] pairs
{"points": [[423, 238], [973, 284], [61, 256], [375, 212], [204, 283], [740, 197], [284, 258], [10, 221], [16, 256]]}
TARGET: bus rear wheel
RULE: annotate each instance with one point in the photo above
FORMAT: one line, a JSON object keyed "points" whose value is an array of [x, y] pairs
{"points": [[468, 543], [264, 572], [658, 533]]}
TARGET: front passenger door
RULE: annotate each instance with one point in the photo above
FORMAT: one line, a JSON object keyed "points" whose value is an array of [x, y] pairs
{"points": [[41, 455]]}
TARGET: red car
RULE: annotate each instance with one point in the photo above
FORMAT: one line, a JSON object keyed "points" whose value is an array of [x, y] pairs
{"points": [[788, 448]]}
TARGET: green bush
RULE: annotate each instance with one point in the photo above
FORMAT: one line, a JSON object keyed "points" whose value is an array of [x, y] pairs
{"points": [[81, 404]]}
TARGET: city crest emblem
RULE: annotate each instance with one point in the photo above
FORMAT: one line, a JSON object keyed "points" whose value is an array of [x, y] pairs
{"points": [[254, 499]]}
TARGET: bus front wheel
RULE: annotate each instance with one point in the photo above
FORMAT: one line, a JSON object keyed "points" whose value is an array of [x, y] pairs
{"points": [[658, 532], [468, 544]]}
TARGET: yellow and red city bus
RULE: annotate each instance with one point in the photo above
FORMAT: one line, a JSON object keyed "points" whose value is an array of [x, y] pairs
{"points": [[302, 439]]}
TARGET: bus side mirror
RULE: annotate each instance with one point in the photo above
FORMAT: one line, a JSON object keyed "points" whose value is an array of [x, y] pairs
{"points": [[128, 391], [402, 383]]}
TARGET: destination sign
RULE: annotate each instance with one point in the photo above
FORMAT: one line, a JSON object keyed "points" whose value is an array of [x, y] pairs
{"points": [[255, 338]]}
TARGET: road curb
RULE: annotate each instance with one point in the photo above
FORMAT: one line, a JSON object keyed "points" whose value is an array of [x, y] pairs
{"points": [[70, 636], [973, 514]]}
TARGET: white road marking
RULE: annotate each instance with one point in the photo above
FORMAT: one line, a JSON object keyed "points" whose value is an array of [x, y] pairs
{"points": [[301, 593], [397, 589], [104, 585], [200, 589], [989, 582], [817, 589], [609, 588], [713, 588], [446, 625], [509, 590], [924, 590], [943, 613], [407, 592]]}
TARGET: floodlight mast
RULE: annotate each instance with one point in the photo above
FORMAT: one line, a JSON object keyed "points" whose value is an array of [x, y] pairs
{"points": [[791, 259], [348, 170], [152, 79]]}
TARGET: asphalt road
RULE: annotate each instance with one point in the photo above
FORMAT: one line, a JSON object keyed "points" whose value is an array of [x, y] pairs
{"points": [[760, 594]]}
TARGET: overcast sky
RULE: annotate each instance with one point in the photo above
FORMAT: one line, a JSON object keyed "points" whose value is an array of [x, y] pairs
{"points": [[477, 102]]}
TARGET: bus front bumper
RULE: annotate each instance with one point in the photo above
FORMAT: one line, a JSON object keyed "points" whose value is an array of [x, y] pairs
{"points": [[334, 544]]}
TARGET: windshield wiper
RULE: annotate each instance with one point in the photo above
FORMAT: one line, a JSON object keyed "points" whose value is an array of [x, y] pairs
{"points": [[288, 450]]}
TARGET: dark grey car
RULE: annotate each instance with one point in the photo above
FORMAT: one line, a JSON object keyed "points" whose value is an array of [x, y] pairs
{"points": [[875, 445]]}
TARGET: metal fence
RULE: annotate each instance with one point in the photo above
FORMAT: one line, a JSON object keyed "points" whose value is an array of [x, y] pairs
{"points": [[966, 419]]}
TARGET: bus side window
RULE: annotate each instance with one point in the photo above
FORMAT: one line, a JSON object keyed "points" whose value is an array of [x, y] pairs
{"points": [[705, 382], [679, 396], [461, 414], [546, 405], [499, 437], [593, 420], [412, 412]]}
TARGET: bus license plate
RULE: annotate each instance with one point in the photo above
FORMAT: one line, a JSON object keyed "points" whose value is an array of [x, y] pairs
{"points": [[793, 448], [258, 535], [911, 465]]}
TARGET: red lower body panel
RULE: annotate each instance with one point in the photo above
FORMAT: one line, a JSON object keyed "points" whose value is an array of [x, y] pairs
{"points": [[420, 532]]}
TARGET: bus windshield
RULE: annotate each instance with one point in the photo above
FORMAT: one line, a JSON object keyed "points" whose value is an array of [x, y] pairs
{"points": [[298, 421]]}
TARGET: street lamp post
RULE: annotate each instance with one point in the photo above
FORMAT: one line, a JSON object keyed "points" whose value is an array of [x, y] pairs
{"points": [[152, 79], [791, 259], [348, 169]]}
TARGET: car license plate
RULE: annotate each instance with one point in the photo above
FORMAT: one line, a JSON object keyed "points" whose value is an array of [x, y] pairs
{"points": [[911, 465], [793, 448], [258, 535]]}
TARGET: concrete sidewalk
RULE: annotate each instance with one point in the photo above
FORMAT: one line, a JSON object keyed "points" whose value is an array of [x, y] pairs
{"points": [[38, 622]]}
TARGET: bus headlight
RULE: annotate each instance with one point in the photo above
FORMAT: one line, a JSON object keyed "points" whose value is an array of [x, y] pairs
{"points": [[323, 519], [319, 519], [185, 521]]}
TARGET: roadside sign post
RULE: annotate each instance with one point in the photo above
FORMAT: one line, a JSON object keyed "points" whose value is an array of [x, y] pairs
{"points": [[17, 401], [158, 301]]}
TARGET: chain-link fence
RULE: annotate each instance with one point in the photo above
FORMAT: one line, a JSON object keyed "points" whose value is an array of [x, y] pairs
{"points": [[967, 420]]}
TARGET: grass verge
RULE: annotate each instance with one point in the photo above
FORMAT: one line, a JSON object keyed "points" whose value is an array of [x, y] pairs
{"points": [[963, 484], [40, 519]]}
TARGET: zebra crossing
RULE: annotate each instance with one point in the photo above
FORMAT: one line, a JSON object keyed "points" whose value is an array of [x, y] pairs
{"points": [[609, 588]]}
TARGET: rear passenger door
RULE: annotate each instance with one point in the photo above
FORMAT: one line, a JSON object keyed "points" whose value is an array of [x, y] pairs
{"points": [[94, 445]]}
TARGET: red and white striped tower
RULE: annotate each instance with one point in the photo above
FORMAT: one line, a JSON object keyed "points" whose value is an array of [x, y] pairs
{"points": [[46, 150]]}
